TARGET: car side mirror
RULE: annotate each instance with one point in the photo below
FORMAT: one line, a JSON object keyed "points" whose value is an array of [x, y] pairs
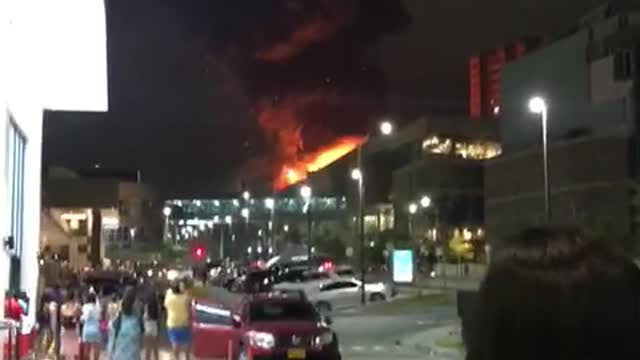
{"points": [[236, 321]]}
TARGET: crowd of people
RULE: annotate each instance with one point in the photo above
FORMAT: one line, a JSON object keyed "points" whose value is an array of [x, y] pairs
{"points": [[84, 323]]}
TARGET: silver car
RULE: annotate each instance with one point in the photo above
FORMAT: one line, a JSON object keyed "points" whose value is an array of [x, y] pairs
{"points": [[346, 293]]}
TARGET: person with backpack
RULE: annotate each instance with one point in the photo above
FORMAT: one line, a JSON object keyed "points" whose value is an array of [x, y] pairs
{"points": [[127, 330]]}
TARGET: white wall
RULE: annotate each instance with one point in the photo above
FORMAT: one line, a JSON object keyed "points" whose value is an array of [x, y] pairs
{"points": [[39, 66]]}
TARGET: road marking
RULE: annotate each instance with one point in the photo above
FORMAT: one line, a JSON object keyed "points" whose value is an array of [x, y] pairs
{"points": [[357, 348], [378, 348]]}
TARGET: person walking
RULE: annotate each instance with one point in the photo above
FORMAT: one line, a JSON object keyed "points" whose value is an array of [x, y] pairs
{"points": [[70, 313], [126, 331], [151, 324], [91, 334], [178, 306]]}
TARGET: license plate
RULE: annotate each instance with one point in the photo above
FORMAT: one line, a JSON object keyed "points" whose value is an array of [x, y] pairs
{"points": [[296, 354]]}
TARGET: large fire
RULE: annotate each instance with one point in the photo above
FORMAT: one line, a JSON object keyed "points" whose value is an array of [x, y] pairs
{"points": [[295, 172]]}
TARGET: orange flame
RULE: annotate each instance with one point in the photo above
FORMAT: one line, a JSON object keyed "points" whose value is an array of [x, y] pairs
{"points": [[296, 172]]}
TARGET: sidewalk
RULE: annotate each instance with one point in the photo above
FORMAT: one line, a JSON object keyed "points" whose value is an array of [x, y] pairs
{"points": [[443, 342]]}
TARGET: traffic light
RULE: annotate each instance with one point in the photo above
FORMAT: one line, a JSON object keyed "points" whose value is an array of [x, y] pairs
{"points": [[199, 252]]}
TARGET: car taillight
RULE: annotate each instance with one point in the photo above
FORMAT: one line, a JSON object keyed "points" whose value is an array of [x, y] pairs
{"points": [[261, 340], [326, 266]]}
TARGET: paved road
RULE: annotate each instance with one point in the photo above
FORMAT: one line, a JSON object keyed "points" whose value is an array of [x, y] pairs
{"points": [[381, 336]]}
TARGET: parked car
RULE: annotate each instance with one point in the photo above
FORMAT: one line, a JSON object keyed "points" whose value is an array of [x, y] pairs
{"points": [[344, 293], [262, 327], [307, 282]]}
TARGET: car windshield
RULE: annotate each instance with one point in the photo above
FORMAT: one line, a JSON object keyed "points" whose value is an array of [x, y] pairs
{"points": [[282, 311]]}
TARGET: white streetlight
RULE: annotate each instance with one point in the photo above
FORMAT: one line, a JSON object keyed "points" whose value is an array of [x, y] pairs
{"points": [[386, 128], [216, 219], [244, 213], [425, 202], [228, 219], [306, 192], [166, 211], [236, 203], [356, 174], [270, 203], [285, 228], [538, 105], [413, 208], [246, 195]]}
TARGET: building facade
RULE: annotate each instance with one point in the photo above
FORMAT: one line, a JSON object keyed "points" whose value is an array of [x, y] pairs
{"points": [[588, 78], [46, 65], [485, 83], [99, 216]]}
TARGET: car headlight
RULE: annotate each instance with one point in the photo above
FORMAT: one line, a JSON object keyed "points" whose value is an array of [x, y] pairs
{"points": [[324, 339], [261, 340]]}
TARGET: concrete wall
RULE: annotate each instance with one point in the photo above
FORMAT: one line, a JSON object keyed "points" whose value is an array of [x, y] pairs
{"points": [[561, 74], [590, 185]]}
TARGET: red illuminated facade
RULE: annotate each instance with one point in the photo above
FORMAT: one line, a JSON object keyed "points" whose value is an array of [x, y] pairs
{"points": [[485, 85]]}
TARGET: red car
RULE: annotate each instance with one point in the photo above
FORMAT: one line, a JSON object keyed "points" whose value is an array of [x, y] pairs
{"points": [[266, 326]]}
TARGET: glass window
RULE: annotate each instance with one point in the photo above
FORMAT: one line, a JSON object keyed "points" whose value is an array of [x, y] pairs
{"points": [[212, 314], [339, 285], [437, 145], [282, 311], [477, 150], [16, 158]]}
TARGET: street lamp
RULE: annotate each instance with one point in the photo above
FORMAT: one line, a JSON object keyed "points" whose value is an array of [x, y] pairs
{"points": [[413, 209], [228, 220], [386, 128], [270, 204], [167, 213], [538, 105], [246, 195], [245, 213], [425, 202], [306, 192], [357, 174]]}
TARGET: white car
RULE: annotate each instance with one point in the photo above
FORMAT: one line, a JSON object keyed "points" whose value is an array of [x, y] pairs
{"points": [[345, 293], [310, 283]]}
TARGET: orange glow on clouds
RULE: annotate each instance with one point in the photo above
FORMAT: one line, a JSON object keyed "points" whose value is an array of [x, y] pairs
{"points": [[296, 172]]}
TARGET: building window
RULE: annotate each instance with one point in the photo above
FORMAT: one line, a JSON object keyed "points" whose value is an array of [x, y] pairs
{"points": [[437, 145], [478, 150], [16, 143], [16, 149]]}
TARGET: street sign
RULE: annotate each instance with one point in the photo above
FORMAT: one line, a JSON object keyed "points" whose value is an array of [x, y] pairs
{"points": [[403, 266]]}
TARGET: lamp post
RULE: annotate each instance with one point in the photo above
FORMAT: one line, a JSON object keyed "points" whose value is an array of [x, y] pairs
{"points": [[538, 105], [306, 192], [357, 174], [167, 213], [413, 209], [229, 221], [270, 204], [245, 213]]}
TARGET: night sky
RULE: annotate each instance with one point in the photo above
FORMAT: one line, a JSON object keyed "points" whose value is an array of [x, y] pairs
{"points": [[195, 85]]}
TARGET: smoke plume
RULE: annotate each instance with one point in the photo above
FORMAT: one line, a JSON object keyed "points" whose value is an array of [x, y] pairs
{"points": [[305, 65]]}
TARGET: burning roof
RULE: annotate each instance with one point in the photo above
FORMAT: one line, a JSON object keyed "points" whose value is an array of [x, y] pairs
{"points": [[304, 65]]}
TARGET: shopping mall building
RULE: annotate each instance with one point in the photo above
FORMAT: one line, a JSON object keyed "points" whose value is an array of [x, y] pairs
{"points": [[53, 59]]}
